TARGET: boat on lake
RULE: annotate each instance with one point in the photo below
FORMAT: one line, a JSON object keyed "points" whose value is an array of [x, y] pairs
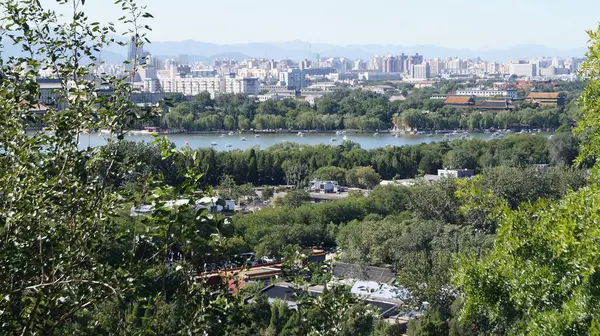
{"points": [[228, 145], [213, 143], [243, 139], [333, 140]]}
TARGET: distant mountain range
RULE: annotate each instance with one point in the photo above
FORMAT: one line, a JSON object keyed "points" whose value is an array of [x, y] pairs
{"points": [[298, 50]]}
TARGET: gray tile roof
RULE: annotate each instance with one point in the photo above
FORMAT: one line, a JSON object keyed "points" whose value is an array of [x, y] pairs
{"points": [[362, 272]]}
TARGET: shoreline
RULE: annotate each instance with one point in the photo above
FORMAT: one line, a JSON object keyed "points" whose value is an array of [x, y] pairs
{"points": [[338, 132]]}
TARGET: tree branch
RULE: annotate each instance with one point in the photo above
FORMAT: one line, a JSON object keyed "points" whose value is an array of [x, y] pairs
{"points": [[48, 284]]}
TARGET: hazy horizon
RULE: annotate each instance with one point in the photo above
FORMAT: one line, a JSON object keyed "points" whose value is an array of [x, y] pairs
{"points": [[367, 44], [464, 24]]}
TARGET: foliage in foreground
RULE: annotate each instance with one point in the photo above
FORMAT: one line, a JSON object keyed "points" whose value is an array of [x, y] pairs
{"points": [[542, 277], [72, 261]]}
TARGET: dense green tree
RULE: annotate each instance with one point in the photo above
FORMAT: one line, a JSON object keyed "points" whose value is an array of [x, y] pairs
{"points": [[295, 198], [435, 201], [267, 193], [563, 148], [74, 260], [362, 177], [460, 159], [331, 173], [540, 277]]}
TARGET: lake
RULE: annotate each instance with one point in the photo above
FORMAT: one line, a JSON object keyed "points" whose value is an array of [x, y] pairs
{"points": [[232, 142]]}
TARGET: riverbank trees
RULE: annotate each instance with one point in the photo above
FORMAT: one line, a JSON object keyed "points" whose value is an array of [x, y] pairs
{"points": [[294, 164], [358, 110]]}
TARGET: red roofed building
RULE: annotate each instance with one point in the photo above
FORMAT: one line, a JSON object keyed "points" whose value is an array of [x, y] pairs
{"points": [[459, 101], [545, 98]]}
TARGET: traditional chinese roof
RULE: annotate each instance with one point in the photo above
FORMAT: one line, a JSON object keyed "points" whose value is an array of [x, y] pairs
{"points": [[495, 104], [458, 100], [543, 95]]}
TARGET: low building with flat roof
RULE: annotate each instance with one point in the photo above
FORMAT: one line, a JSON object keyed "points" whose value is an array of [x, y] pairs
{"points": [[288, 293], [456, 173]]}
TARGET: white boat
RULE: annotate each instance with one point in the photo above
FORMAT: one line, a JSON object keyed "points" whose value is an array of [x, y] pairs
{"points": [[395, 135], [222, 135], [300, 133], [339, 132], [257, 135], [243, 139], [213, 143], [333, 140], [376, 134], [231, 133], [228, 145], [345, 138]]}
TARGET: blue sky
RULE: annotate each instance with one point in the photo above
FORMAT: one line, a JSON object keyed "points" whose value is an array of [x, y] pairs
{"points": [[474, 24]]}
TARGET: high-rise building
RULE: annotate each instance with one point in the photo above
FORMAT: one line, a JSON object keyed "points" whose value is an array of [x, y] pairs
{"points": [[346, 65], [272, 64], [305, 64], [523, 69], [170, 63], [401, 59], [133, 50], [359, 65], [390, 64], [456, 65], [421, 71], [293, 79], [558, 63], [575, 63], [417, 59], [436, 66], [376, 63], [491, 67], [412, 60], [153, 61]]}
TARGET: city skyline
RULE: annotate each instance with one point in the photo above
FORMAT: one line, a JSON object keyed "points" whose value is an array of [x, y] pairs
{"points": [[458, 24]]}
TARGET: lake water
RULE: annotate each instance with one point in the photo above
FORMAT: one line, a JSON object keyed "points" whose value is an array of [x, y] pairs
{"points": [[366, 141]]}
